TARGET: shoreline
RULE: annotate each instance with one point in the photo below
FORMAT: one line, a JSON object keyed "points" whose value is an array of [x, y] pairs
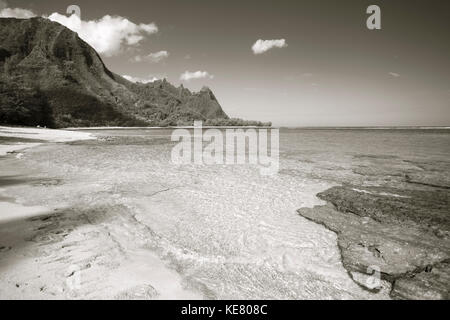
{"points": [[14, 148], [15, 139], [273, 127], [109, 236], [231, 127], [43, 134], [166, 128], [108, 222], [46, 250]]}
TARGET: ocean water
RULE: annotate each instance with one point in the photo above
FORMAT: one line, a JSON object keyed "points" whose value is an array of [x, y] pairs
{"points": [[226, 230]]}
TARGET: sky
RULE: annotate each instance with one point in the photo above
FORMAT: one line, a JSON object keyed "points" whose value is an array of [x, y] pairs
{"points": [[295, 63]]}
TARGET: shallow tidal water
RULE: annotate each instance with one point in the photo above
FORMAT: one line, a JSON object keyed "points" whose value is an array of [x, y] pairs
{"points": [[226, 231]]}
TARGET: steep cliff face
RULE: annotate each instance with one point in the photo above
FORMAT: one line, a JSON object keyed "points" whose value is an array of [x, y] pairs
{"points": [[49, 76]]}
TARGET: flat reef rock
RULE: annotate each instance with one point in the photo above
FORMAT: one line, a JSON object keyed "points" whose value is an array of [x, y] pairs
{"points": [[403, 233], [427, 209]]}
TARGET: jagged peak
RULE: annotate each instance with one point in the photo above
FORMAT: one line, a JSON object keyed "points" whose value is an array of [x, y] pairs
{"points": [[62, 65]]}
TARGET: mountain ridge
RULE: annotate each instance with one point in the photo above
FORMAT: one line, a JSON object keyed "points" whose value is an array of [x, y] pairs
{"points": [[51, 77]]}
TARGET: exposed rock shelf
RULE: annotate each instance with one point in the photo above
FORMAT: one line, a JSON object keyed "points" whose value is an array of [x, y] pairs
{"points": [[404, 233]]}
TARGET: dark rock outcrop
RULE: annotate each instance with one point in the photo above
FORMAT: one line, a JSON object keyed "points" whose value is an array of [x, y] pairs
{"points": [[392, 214], [43, 60], [425, 209], [404, 233]]}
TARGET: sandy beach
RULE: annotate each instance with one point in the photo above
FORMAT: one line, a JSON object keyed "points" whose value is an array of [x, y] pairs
{"points": [[42, 247], [105, 215]]}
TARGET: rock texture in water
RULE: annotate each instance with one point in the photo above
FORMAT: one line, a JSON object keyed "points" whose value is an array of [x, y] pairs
{"points": [[393, 215], [49, 76], [403, 233], [426, 209]]}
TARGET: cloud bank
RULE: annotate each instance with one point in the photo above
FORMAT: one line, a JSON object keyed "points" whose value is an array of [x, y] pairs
{"points": [[262, 46], [152, 57], [187, 75], [108, 35], [141, 80], [19, 13]]}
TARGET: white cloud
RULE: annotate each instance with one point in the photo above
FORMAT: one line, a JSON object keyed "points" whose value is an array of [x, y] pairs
{"points": [[262, 46], [152, 57], [186, 76], [141, 80], [19, 13], [108, 35], [395, 75]]}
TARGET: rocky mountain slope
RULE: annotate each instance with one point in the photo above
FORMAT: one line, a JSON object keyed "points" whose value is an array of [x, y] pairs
{"points": [[50, 77]]}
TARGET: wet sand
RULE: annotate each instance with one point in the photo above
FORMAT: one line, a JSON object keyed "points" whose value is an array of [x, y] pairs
{"points": [[60, 251]]}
